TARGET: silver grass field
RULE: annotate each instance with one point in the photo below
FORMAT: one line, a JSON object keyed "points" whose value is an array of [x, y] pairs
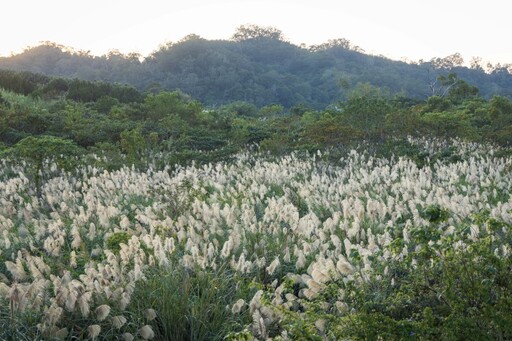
{"points": [[282, 230]]}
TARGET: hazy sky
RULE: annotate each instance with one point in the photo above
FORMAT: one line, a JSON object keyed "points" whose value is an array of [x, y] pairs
{"points": [[395, 28]]}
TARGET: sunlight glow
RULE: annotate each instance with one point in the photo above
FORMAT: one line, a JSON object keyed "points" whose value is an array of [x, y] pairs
{"points": [[396, 28]]}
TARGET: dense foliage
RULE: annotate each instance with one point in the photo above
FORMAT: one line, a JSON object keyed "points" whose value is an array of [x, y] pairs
{"points": [[333, 245], [260, 67], [120, 120]]}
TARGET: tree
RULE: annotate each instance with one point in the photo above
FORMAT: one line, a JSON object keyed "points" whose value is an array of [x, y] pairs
{"points": [[461, 91], [500, 111], [241, 108], [336, 43], [23, 83], [133, 144], [326, 130], [440, 85], [191, 37], [448, 62], [366, 108], [437, 104], [476, 63], [39, 152], [165, 104], [256, 32], [448, 124]]}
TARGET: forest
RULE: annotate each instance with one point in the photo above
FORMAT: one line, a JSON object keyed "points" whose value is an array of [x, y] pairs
{"points": [[257, 65], [251, 189], [119, 118]]}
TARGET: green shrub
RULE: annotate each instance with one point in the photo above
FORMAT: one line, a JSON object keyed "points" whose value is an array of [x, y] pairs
{"points": [[115, 240]]}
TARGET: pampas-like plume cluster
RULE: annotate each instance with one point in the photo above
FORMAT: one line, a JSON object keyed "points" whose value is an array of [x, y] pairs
{"points": [[313, 221]]}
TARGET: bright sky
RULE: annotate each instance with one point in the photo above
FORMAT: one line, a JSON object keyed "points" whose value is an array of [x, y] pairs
{"points": [[395, 28]]}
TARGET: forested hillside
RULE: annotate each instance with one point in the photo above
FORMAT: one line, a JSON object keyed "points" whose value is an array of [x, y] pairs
{"points": [[116, 118], [257, 65]]}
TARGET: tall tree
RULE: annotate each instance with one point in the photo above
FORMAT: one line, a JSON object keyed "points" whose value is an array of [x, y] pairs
{"points": [[366, 108], [246, 32]]}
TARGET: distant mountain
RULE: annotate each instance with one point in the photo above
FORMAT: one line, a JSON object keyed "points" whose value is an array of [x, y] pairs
{"points": [[258, 66]]}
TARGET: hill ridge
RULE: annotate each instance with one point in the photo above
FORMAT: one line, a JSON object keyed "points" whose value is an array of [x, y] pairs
{"points": [[258, 69]]}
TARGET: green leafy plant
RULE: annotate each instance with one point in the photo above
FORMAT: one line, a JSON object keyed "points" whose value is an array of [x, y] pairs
{"points": [[115, 240]]}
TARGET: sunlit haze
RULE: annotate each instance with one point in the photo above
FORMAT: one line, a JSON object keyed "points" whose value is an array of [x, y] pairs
{"points": [[394, 28]]}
